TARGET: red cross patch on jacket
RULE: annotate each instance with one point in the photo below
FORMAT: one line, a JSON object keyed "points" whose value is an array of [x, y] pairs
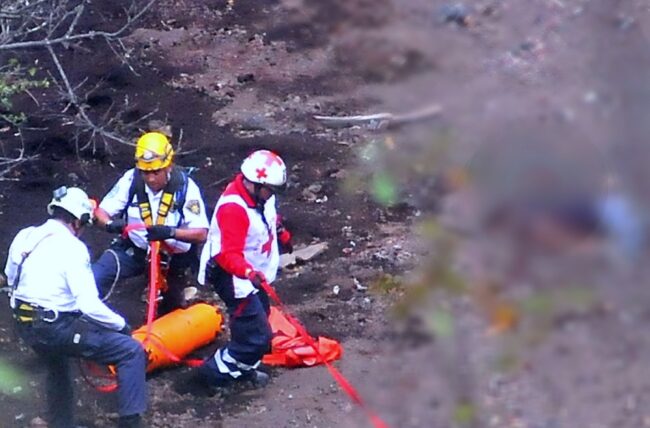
{"points": [[266, 248]]}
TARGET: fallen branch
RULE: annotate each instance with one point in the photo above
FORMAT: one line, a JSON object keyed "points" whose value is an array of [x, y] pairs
{"points": [[72, 97], [380, 120], [8, 164]]}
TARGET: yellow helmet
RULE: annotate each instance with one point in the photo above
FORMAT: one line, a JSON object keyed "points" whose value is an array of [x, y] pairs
{"points": [[153, 151]]}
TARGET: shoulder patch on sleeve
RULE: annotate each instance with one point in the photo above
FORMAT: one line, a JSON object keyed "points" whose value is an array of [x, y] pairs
{"points": [[194, 206]]}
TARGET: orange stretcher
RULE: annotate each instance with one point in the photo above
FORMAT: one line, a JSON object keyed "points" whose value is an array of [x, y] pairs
{"points": [[172, 337], [290, 349]]}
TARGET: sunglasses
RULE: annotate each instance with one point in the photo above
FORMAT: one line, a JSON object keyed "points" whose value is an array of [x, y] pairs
{"points": [[273, 189]]}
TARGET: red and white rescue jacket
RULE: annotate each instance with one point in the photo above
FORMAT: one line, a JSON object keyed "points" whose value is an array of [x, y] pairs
{"points": [[240, 239]]}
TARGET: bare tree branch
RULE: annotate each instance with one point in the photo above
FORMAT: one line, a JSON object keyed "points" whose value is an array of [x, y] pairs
{"points": [[81, 108], [51, 24], [56, 19], [9, 164]]}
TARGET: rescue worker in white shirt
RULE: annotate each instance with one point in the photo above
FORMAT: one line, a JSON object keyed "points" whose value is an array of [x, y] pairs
{"points": [[59, 314], [168, 202], [242, 252]]}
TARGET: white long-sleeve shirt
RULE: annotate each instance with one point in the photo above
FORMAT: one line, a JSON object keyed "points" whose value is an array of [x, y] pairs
{"points": [[194, 215], [56, 275]]}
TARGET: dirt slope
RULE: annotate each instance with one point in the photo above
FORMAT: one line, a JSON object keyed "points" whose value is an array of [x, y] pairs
{"points": [[230, 77]]}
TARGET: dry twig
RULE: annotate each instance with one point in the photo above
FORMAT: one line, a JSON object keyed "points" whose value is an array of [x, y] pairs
{"points": [[51, 24], [380, 120]]}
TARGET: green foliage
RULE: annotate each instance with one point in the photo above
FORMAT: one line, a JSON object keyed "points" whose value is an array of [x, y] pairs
{"points": [[415, 295], [464, 413], [439, 268], [11, 380], [437, 279], [386, 283], [441, 322], [540, 311], [16, 79], [508, 362], [370, 152], [384, 189], [538, 304], [550, 304]]}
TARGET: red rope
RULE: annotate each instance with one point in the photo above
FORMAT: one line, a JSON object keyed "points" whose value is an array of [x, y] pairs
{"points": [[154, 279], [86, 366], [88, 369], [346, 386], [154, 273], [154, 266]]}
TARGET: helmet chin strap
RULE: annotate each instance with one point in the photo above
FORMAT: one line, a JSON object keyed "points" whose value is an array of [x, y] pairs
{"points": [[259, 203], [76, 226], [257, 188], [256, 194]]}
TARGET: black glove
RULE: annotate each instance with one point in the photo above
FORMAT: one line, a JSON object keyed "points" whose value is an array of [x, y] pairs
{"points": [[126, 330], [115, 226], [255, 277], [160, 233]]}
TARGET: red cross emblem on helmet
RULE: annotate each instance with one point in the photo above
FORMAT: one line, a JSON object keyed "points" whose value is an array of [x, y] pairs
{"points": [[264, 167], [272, 158]]}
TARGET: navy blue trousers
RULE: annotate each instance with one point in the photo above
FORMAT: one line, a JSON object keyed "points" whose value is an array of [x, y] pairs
{"points": [[73, 336], [133, 263], [250, 335]]}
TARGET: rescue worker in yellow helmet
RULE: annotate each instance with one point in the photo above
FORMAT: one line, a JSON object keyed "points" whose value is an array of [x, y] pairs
{"points": [[153, 152], [168, 202]]}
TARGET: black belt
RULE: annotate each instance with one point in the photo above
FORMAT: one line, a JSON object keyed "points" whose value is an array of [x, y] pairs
{"points": [[126, 244], [26, 312]]}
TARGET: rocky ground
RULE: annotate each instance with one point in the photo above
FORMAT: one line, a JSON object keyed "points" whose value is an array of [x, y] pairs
{"points": [[519, 84]]}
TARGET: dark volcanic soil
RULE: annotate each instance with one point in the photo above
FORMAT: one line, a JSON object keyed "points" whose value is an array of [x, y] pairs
{"points": [[521, 84]]}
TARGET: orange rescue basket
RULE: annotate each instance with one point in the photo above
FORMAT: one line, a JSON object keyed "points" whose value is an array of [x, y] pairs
{"points": [[170, 338]]}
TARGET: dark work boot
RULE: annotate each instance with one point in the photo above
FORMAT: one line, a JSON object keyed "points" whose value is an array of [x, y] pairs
{"points": [[208, 373], [257, 378], [261, 379], [130, 421]]}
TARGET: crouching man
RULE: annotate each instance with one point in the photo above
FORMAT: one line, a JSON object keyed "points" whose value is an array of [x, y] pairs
{"points": [[242, 252], [58, 312]]}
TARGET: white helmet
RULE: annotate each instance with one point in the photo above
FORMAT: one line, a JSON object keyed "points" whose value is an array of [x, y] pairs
{"points": [[73, 200], [265, 167]]}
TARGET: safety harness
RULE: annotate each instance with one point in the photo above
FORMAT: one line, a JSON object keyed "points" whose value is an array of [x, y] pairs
{"points": [[24, 311], [173, 197]]}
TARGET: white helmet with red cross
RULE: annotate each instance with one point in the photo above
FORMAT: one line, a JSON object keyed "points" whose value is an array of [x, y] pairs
{"points": [[265, 167]]}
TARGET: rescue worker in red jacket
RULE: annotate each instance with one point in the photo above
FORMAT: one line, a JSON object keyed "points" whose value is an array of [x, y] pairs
{"points": [[242, 252]]}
